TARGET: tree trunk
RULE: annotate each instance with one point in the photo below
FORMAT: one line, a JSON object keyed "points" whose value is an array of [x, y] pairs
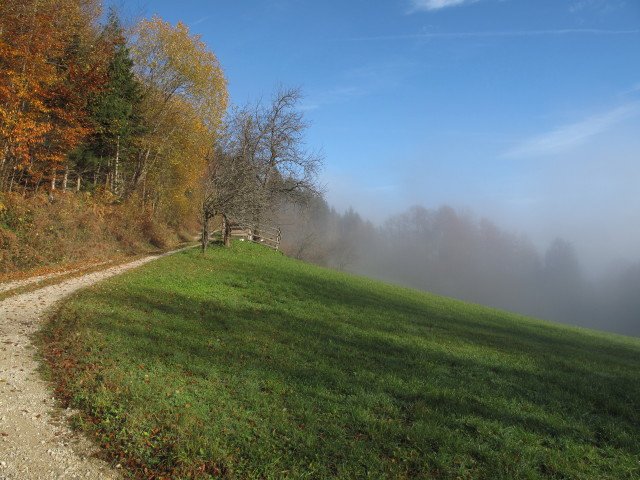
{"points": [[13, 177], [205, 232], [66, 178], [226, 231], [116, 188]]}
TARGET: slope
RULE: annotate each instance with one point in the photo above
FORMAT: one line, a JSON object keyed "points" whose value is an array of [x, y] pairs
{"points": [[247, 364]]}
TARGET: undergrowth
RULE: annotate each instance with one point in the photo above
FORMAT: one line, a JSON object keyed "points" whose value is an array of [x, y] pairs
{"points": [[42, 230]]}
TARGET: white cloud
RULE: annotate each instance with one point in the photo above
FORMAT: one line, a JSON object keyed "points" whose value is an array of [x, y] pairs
{"points": [[360, 82], [335, 95], [437, 4], [566, 137], [597, 6], [578, 6]]}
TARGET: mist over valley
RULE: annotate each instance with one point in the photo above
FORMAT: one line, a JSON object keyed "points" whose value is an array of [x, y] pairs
{"points": [[454, 253]]}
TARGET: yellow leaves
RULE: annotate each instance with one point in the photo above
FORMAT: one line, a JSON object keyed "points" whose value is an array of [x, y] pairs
{"points": [[174, 63], [185, 101]]}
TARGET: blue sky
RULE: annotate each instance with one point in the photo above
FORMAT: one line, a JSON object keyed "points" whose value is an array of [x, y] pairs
{"points": [[524, 111]]}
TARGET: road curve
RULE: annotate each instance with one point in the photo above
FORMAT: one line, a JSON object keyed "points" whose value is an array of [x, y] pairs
{"points": [[35, 441]]}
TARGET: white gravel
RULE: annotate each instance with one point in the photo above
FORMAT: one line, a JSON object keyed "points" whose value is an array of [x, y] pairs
{"points": [[35, 440]]}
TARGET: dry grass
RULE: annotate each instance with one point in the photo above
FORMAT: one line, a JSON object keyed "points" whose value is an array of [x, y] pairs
{"points": [[43, 231]]}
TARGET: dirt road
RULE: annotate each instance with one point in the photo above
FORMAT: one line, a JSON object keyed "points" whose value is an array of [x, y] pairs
{"points": [[35, 441]]}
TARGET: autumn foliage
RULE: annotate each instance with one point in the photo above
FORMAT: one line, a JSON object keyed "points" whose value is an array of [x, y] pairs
{"points": [[87, 107], [51, 65], [184, 101], [136, 118], [81, 107]]}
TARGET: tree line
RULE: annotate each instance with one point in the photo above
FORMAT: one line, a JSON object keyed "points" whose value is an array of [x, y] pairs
{"points": [[138, 115], [453, 253]]}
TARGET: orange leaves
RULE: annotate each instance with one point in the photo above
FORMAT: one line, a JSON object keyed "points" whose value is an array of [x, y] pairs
{"points": [[71, 109], [48, 69]]}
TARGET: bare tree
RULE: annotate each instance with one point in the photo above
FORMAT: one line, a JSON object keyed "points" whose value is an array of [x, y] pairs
{"points": [[229, 191], [261, 163], [271, 137]]}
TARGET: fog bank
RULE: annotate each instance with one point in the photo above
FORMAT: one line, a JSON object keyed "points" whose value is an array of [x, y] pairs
{"points": [[454, 253]]}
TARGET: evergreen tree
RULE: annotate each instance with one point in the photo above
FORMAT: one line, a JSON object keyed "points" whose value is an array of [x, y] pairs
{"points": [[115, 114]]}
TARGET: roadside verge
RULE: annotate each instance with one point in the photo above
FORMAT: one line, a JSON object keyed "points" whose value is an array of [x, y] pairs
{"points": [[34, 442]]}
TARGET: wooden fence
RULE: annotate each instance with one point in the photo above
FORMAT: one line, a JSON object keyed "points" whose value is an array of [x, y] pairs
{"points": [[267, 235]]}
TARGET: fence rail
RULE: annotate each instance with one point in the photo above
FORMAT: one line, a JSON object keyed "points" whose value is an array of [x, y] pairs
{"points": [[268, 235]]}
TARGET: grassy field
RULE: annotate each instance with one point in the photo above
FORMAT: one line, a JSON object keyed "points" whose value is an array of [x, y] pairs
{"points": [[247, 364]]}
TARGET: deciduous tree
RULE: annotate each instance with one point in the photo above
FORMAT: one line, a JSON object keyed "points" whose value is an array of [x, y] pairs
{"points": [[50, 64], [264, 162], [185, 98]]}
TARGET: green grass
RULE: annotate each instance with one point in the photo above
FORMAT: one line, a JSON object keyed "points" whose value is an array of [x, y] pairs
{"points": [[247, 364]]}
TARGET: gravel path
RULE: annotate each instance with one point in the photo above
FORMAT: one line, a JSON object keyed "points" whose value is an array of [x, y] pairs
{"points": [[35, 441], [28, 281]]}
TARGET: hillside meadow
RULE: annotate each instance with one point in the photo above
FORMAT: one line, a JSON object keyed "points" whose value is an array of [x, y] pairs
{"points": [[247, 364]]}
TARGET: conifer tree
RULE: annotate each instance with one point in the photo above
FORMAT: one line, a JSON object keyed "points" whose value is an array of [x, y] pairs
{"points": [[116, 117]]}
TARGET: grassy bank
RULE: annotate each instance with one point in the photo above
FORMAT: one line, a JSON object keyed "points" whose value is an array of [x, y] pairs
{"points": [[42, 232], [246, 364]]}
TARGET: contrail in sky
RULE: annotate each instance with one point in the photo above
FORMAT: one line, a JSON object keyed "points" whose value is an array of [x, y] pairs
{"points": [[513, 33]]}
